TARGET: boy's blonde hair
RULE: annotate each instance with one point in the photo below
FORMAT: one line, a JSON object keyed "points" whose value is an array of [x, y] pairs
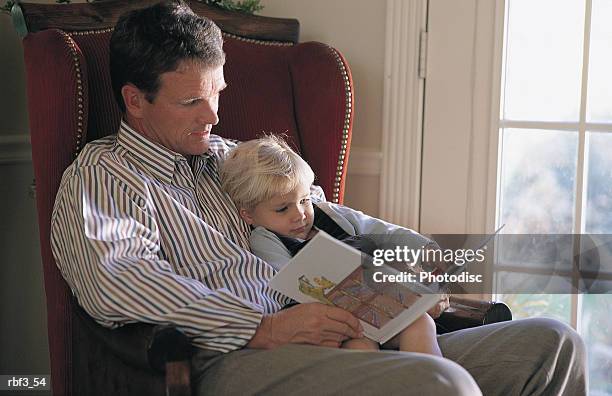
{"points": [[257, 170]]}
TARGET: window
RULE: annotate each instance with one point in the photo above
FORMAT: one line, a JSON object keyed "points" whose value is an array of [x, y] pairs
{"points": [[518, 129], [555, 152]]}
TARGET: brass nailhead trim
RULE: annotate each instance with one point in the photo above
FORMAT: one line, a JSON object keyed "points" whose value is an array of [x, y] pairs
{"points": [[77, 65], [236, 37], [86, 32], [345, 127], [260, 42]]}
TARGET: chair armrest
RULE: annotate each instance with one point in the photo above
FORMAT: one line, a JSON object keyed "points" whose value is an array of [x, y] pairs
{"points": [[141, 345], [465, 313]]}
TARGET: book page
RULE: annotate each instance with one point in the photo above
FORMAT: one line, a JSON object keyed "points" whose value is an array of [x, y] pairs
{"points": [[331, 272]]}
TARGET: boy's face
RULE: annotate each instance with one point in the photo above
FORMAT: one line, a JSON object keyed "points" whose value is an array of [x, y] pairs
{"points": [[288, 215]]}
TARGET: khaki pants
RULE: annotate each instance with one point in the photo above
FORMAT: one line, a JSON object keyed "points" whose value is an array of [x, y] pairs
{"points": [[521, 357]]}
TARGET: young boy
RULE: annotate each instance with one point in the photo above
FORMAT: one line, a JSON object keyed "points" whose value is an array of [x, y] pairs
{"points": [[270, 185]]}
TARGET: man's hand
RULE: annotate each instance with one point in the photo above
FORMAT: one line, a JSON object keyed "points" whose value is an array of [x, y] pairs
{"points": [[312, 323]]}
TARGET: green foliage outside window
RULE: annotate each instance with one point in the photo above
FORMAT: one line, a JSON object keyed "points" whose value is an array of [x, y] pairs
{"points": [[557, 306]]}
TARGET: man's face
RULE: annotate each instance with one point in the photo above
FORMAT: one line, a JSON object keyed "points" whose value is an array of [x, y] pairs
{"points": [[184, 109]]}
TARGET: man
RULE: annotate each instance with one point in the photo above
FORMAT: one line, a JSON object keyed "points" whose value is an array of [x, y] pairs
{"points": [[142, 233]]}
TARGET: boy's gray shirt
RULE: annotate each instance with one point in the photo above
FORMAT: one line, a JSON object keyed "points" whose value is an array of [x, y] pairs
{"points": [[266, 245]]}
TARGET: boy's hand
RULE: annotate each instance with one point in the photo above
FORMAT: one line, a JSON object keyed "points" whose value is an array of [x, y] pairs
{"points": [[439, 308]]}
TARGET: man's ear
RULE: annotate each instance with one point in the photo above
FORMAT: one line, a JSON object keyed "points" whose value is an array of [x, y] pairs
{"points": [[134, 100], [246, 216]]}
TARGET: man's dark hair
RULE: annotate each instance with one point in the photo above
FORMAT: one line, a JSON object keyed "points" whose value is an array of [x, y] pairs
{"points": [[151, 41]]}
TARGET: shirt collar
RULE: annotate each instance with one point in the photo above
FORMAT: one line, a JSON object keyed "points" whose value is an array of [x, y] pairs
{"points": [[157, 159]]}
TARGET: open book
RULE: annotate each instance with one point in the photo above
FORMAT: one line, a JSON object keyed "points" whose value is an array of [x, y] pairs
{"points": [[332, 272]]}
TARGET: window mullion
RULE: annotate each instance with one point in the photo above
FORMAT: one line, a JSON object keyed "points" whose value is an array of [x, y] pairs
{"points": [[581, 168]]}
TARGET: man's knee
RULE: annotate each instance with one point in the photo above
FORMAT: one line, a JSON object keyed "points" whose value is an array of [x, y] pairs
{"points": [[568, 345], [437, 376], [563, 356], [551, 332]]}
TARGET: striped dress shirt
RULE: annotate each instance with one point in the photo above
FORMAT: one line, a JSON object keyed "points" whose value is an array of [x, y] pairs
{"points": [[143, 234]]}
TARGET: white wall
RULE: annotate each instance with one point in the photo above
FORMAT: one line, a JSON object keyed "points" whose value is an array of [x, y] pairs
{"points": [[357, 29], [23, 323]]}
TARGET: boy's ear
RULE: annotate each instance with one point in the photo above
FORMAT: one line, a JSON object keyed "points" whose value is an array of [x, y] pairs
{"points": [[246, 216]]}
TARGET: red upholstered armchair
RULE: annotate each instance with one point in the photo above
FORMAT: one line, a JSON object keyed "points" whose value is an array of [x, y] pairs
{"points": [[274, 85]]}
